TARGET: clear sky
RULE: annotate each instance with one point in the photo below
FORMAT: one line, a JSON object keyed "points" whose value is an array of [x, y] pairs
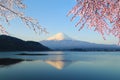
{"points": [[52, 15]]}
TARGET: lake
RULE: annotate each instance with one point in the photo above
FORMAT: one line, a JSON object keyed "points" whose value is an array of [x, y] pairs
{"points": [[60, 65]]}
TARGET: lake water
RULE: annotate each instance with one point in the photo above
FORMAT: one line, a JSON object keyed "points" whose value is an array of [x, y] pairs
{"points": [[61, 66]]}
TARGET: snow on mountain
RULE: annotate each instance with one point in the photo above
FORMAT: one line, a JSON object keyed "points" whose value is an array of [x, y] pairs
{"points": [[59, 36], [61, 41]]}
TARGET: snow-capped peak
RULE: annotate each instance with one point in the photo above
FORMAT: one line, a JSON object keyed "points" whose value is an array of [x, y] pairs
{"points": [[59, 36]]}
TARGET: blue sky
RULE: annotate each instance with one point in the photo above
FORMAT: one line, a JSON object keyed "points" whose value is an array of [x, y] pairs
{"points": [[52, 15]]}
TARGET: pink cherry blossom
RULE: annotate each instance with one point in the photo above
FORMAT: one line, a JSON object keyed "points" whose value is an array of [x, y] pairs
{"points": [[101, 15], [10, 9]]}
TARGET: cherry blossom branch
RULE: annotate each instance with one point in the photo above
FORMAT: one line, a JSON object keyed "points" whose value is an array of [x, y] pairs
{"points": [[102, 15], [9, 9]]}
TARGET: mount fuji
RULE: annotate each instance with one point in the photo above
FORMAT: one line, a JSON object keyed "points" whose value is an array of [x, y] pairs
{"points": [[61, 41], [59, 36]]}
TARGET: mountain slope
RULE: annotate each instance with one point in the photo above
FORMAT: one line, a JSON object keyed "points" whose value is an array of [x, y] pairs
{"points": [[8, 43], [70, 44]]}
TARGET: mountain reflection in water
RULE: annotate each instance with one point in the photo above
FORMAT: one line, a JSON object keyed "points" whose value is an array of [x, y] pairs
{"points": [[57, 60], [60, 66]]}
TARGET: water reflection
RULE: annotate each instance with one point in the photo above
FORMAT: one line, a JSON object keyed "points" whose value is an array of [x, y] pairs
{"points": [[58, 60], [5, 62], [60, 66], [9, 61]]}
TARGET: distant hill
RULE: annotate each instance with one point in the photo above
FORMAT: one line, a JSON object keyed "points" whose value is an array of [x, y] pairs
{"points": [[61, 41], [8, 43]]}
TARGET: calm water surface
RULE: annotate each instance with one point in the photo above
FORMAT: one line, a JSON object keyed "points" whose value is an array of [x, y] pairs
{"points": [[61, 66]]}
